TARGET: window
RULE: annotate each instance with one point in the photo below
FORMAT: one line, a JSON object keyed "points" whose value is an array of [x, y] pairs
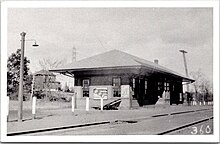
{"points": [[166, 86], [160, 86], [85, 84], [116, 82], [145, 86], [116, 92], [86, 93], [133, 84]]}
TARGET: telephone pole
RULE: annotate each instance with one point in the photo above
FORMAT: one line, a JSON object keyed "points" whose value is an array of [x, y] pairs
{"points": [[21, 81], [20, 95], [185, 65], [73, 54], [74, 100]]}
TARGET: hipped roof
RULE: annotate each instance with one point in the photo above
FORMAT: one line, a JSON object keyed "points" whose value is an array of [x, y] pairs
{"points": [[114, 59]]}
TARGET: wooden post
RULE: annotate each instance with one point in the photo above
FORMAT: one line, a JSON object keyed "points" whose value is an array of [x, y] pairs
{"points": [[130, 97], [21, 89], [8, 100], [101, 103], [34, 101], [73, 103], [87, 104], [33, 98]]}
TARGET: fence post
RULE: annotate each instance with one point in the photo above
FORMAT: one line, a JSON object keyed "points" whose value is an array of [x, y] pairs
{"points": [[101, 103], [8, 100], [87, 104], [73, 103], [34, 100]]}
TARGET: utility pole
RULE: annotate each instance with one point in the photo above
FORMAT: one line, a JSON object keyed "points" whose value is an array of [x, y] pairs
{"points": [[73, 54], [20, 95], [21, 89], [73, 85], [185, 65]]}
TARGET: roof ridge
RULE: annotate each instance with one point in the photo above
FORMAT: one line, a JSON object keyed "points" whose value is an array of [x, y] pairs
{"points": [[115, 58], [100, 54]]}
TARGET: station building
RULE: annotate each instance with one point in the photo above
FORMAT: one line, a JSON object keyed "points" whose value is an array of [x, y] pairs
{"points": [[116, 74]]}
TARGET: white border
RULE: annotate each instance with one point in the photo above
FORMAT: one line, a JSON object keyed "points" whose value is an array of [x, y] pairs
{"points": [[122, 138]]}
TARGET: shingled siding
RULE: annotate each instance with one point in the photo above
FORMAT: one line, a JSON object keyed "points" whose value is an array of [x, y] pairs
{"points": [[102, 80]]}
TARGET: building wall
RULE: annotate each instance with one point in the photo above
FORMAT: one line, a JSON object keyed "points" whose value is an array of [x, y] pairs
{"points": [[42, 82], [155, 89], [125, 97], [102, 80]]}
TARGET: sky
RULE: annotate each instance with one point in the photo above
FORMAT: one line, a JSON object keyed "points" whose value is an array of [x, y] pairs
{"points": [[149, 33]]}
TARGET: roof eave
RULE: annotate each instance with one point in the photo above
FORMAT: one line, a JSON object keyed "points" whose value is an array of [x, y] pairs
{"points": [[97, 68]]}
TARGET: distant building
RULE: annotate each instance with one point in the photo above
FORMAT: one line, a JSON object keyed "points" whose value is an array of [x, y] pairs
{"points": [[116, 74], [65, 81], [45, 80]]}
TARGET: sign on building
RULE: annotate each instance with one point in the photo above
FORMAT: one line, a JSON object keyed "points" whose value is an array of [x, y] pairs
{"points": [[100, 92]]}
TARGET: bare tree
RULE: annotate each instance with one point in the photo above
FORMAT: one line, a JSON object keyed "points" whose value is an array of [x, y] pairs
{"points": [[47, 64], [202, 86]]}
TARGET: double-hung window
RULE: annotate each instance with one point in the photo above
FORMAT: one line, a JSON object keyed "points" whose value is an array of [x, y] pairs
{"points": [[145, 86], [116, 83], [166, 86], [85, 84]]}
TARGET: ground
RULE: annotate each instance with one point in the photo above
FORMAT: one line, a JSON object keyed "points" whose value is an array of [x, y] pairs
{"points": [[142, 121]]}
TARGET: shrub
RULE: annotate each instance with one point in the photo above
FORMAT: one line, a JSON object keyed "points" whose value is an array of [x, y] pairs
{"points": [[54, 96]]}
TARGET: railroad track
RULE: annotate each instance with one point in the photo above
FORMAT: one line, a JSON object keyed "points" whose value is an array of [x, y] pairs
{"points": [[54, 129], [184, 126]]}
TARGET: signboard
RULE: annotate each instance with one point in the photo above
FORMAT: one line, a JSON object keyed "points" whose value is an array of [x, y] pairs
{"points": [[100, 92]]}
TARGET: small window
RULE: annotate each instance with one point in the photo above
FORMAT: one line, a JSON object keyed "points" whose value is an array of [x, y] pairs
{"points": [[85, 93], [133, 83], [116, 92], [167, 86], [116, 82], [85, 83], [160, 85], [145, 86]]}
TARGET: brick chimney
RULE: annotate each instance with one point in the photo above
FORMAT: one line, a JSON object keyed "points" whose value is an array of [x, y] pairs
{"points": [[156, 61]]}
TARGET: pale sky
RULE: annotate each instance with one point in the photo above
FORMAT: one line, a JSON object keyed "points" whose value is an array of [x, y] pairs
{"points": [[149, 33]]}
